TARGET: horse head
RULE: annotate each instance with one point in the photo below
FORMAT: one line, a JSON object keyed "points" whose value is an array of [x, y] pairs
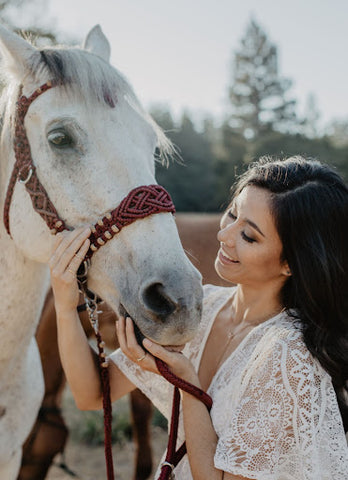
{"points": [[92, 143]]}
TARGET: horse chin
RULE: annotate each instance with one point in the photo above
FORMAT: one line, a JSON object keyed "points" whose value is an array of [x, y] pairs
{"points": [[140, 336]]}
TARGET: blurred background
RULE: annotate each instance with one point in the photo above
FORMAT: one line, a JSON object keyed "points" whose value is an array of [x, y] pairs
{"points": [[228, 81]]}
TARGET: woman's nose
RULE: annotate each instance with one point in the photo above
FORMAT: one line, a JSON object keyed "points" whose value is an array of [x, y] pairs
{"points": [[226, 235]]}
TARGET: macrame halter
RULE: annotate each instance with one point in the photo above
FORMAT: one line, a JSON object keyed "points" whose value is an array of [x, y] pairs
{"points": [[139, 203]]}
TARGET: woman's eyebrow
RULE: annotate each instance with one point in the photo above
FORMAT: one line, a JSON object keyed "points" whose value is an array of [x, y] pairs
{"points": [[253, 225]]}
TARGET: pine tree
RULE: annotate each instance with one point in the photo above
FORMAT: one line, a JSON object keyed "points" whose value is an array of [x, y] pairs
{"points": [[258, 93], [309, 125], [337, 132]]}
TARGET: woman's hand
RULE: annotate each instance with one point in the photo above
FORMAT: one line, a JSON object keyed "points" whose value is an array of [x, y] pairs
{"points": [[68, 252], [177, 362]]}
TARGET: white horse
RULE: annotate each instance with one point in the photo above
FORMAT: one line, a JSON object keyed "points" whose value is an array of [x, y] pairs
{"points": [[91, 143]]}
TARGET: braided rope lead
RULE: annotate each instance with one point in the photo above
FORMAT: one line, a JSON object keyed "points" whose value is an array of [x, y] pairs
{"points": [[173, 456], [93, 313], [107, 407]]}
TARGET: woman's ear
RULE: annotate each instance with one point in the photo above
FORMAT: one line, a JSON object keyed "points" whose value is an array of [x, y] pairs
{"points": [[286, 270]]}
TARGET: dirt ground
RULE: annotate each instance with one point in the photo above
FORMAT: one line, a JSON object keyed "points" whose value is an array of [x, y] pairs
{"points": [[88, 462]]}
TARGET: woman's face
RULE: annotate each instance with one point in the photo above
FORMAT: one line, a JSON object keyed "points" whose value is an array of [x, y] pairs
{"points": [[250, 247]]}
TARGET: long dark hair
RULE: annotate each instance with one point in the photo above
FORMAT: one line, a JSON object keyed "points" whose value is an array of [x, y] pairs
{"points": [[309, 204]]}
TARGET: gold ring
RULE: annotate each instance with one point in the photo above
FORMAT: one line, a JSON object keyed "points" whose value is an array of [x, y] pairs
{"points": [[141, 358]]}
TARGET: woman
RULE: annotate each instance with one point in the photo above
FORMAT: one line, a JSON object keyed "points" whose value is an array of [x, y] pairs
{"points": [[271, 352]]}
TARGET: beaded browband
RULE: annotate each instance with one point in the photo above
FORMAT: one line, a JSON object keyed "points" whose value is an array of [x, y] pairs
{"points": [[139, 203]]}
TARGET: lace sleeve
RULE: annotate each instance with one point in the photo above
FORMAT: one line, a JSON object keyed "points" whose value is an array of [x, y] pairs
{"points": [[155, 387], [286, 423]]}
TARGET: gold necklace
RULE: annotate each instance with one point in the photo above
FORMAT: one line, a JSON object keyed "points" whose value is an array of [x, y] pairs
{"points": [[231, 335]]}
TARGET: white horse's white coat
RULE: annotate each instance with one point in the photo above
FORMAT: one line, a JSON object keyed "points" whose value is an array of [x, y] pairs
{"points": [[112, 152]]}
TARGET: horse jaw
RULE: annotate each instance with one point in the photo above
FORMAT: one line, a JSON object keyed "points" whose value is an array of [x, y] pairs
{"points": [[39, 248], [97, 43]]}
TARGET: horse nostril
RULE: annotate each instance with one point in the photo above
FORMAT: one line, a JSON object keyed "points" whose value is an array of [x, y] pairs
{"points": [[156, 300]]}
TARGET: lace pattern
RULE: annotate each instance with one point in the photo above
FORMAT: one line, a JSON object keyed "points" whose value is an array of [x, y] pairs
{"points": [[275, 410]]}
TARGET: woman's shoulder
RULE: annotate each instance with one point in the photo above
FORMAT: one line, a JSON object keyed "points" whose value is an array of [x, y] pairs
{"points": [[282, 342]]}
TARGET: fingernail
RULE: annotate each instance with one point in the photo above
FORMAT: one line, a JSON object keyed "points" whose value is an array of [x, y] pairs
{"points": [[147, 342], [116, 323]]}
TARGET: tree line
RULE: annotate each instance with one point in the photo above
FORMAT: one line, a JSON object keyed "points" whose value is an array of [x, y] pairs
{"points": [[261, 120]]}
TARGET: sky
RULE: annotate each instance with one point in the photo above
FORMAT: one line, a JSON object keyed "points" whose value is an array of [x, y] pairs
{"points": [[178, 53]]}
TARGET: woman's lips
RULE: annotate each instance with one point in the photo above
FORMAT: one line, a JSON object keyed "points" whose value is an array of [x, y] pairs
{"points": [[225, 258]]}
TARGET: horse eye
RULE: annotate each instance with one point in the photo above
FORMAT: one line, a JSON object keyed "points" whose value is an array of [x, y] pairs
{"points": [[60, 139]]}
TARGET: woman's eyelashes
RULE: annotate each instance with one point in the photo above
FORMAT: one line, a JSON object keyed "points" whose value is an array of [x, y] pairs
{"points": [[247, 239], [243, 234]]}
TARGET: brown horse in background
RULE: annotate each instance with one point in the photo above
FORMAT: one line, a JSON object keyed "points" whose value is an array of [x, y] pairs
{"points": [[49, 434]]}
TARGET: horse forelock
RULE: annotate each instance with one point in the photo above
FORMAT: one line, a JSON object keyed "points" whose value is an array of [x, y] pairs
{"points": [[87, 76], [82, 73], [91, 77]]}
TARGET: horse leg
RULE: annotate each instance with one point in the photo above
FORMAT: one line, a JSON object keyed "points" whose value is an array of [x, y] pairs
{"points": [[141, 411], [49, 434], [47, 438]]}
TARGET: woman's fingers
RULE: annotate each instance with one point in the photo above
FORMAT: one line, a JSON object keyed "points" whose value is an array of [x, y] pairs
{"points": [[78, 257], [130, 346], [67, 246], [177, 362], [121, 334], [132, 342], [71, 249], [127, 340], [160, 352]]}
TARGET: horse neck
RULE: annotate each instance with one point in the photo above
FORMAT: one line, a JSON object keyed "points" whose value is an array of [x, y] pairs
{"points": [[23, 282], [23, 286]]}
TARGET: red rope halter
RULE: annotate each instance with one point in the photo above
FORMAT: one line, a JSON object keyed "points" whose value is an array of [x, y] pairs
{"points": [[139, 203], [24, 170]]}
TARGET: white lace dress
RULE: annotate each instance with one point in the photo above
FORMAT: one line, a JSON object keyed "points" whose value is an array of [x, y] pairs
{"points": [[275, 410]]}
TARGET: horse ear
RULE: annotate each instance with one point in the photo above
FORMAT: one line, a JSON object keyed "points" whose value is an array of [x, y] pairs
{"points": [[97, 43], [17, 53]]}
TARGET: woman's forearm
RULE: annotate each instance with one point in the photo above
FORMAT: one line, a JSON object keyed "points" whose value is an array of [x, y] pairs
{"points": [[201, 439], [80, 362]]}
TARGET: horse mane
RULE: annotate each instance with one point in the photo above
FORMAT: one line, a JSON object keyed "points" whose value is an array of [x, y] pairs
{"points": [[89, 76]]}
